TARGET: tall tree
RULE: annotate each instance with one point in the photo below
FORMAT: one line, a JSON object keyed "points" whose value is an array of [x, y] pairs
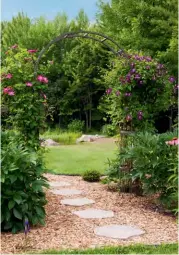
{"points": [[146, 25]]}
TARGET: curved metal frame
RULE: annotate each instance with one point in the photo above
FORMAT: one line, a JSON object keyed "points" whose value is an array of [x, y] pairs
{"points": [[81, 34]]}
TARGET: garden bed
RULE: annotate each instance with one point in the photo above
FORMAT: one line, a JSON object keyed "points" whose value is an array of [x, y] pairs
{"points": [[64, 230]]}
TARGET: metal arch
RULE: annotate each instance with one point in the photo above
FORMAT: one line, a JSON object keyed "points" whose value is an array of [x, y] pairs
{"points": [[81, 34]]}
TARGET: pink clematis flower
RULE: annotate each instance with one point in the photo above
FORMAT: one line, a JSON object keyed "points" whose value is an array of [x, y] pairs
{"points": [[40, 78], [9, 76], [45, 80], [32, 51], [174, 141], [51, 62], [14, 46], [9, 91], [128, 117], [29, 84], [108, 91]]}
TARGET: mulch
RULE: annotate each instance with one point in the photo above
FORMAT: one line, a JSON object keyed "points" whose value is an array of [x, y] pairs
{"points": [[65, 230]]}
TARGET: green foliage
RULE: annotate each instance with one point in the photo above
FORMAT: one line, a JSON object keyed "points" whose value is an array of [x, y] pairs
{"points": [[109, 130], [138, 88], [76, 126], [154, 163], [149, 26], [91, 176], [22, 184], [34, 33]]}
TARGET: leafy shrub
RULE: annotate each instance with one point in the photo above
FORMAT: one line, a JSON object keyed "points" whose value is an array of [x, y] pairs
{"points": [[154, 165], [22, 185], [76, 126], [109, 130], [91, 176]]}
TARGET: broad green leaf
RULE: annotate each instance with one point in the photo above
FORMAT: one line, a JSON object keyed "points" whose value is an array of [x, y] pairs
{"points": [[11, 204], [17, 198], [17, 214]]}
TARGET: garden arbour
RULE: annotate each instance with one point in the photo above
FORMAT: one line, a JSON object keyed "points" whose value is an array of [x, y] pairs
{"points": [[22, 181], [24, 85]]}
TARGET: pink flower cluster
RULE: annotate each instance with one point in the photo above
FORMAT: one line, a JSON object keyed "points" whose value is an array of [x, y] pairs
{"points": [[42, 79], [8, 76], [14, 46], [29, 84], [129, 117], [174, 141], [32, 51], [9, 91]]}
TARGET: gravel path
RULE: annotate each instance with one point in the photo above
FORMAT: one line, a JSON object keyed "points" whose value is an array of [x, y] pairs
{"points": [[66, 230]]}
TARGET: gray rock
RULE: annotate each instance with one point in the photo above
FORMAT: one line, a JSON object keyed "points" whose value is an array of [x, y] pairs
{"points": [[85, 138], [50, 142], [94, 214], [66, 192], [89, 138], [77, 201], [58, 184], [118, 231]]}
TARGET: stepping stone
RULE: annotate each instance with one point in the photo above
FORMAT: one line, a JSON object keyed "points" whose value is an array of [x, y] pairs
{"points": [[66, 192], [94, 214], [59, 184], [77, 201], [118, 231]]}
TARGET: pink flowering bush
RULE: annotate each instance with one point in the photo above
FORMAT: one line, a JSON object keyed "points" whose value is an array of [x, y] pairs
{"points": [[22, 181], [138, 89], [22, 92]]}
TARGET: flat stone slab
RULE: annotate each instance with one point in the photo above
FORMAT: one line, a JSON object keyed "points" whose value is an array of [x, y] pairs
{"points": [[66, 192], [58, 184], [77, 201], [94, 214], [118, 231]]}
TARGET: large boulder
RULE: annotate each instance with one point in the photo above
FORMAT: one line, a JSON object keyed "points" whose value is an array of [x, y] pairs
{"points": [[50, 142], [85, 138], [89, 138]]}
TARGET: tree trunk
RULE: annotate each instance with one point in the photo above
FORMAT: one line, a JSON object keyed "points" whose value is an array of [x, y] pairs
{"points": [[59, 122], [86, 114]]}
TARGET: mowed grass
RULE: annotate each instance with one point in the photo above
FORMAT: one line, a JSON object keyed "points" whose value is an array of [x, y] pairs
{"points": [[131, 249], [76, 159]]}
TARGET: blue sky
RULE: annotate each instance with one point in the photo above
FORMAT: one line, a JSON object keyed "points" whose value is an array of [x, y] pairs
{"points": [[47, 8]]}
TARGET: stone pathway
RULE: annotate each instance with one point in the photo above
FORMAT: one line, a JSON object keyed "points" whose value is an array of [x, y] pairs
{"points": [[66, 192], [59, 184], [94, 214], [110, 231], [67, 225], [118, 231]]}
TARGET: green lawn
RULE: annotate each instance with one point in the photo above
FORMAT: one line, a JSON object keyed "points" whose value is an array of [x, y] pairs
{"points": [[131, 249], [75, 159]]}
